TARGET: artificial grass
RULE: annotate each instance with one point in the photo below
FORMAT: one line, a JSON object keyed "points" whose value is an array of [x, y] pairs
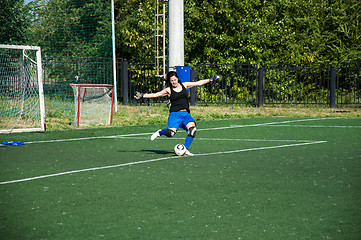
{"points": [[297, 192]]}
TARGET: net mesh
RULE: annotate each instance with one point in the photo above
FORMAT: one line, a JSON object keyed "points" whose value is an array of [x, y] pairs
{"points": [[93, 104], [19, 91]]}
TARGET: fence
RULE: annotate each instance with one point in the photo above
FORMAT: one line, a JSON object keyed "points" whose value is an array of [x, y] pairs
{"points": [[238, 84], [59, 73], [246, 84], [281, 84], [297, 84], [348, 84]]}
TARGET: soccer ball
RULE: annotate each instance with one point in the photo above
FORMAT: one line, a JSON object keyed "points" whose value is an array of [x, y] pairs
{"points": [[180, 149]]}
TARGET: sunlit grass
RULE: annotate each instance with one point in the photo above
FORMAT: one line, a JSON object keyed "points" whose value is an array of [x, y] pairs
{"points": [[60, 115]]}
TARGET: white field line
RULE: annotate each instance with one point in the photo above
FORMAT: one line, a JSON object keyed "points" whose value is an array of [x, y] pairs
{"points": [[155, 160], [315, 126], [260, 148], [89, 138], [226, 139], [207, 129], [271, 123]]}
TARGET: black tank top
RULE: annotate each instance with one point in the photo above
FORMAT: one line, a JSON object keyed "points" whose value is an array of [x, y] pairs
{"points": [[179, 100]]}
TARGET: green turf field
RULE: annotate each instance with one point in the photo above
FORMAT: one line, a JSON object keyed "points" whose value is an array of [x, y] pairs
{"points": [[262, 178]]}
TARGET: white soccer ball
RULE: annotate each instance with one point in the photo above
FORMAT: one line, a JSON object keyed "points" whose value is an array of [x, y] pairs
{"points": [[180, 149]]}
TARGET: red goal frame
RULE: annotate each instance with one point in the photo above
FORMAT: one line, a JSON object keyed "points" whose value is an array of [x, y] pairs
{"points": [[83, 85]]}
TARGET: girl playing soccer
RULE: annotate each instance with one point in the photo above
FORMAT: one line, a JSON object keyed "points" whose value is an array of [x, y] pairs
{"points": [[179, 114]]}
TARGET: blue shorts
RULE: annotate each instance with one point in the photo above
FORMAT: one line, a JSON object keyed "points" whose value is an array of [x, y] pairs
{"points": [[179, 119]]}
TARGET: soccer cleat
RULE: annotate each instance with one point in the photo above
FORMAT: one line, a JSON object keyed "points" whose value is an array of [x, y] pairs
{"points": [[155, 135], [188, 153]]}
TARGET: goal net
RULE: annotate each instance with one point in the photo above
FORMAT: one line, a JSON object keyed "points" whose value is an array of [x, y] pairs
{"points": [[93, 104], [22, 107]]}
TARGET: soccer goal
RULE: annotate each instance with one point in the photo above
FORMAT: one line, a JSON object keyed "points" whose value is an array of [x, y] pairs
{"points": [[22, 107], [93, 104]]}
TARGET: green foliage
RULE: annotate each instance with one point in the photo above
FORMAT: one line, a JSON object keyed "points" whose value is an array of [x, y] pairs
{"points": [[72, 28], [272, 31], [318, 30], [13, 22], [134, 30], [297, 83], [217, 31], [224, 31], [238, 83]]}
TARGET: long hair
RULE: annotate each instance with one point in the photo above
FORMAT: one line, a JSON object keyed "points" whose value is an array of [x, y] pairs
{"points": [[171, 74]]}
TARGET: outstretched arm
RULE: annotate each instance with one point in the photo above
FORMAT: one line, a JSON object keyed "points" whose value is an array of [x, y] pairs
{"points": [[164, 92], [195, 84], [200, 82]]}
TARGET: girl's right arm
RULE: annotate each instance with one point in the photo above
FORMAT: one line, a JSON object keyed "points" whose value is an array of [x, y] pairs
{"points": [[163, 93]]}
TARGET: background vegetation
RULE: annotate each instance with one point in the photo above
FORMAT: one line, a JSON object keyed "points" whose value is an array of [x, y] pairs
{"points": [[228, 31], [216, 31]]}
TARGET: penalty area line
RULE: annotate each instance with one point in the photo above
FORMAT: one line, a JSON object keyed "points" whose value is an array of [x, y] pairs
{"points": [[260, 148], [86, 170], [155, 160], [204, 129]]}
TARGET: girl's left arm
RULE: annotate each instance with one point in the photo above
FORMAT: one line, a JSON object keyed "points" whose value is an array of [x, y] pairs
{"points": [[196, 84]]}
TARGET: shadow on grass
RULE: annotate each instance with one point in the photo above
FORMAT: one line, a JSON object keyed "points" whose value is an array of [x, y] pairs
{"points": [[162, 152], [158, 151]]}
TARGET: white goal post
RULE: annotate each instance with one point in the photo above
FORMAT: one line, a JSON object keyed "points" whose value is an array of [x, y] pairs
{"points": [[93, 104], [22, 106]]}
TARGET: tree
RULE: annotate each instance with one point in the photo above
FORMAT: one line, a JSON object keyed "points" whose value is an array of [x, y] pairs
{"points": [[134, 30], [72, 28], [308, 31], [216, 31], [12, 22], [219, 31]]}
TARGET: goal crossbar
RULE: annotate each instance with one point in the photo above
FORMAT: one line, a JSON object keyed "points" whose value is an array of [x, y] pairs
{"points": [[20, 47]]}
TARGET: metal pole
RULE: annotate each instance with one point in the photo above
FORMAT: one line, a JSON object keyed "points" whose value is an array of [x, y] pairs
{"points": [[164, 40], [260, 87], [114, 60], [333, 87], [41, 89], [176, 34], [125, 91]]}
